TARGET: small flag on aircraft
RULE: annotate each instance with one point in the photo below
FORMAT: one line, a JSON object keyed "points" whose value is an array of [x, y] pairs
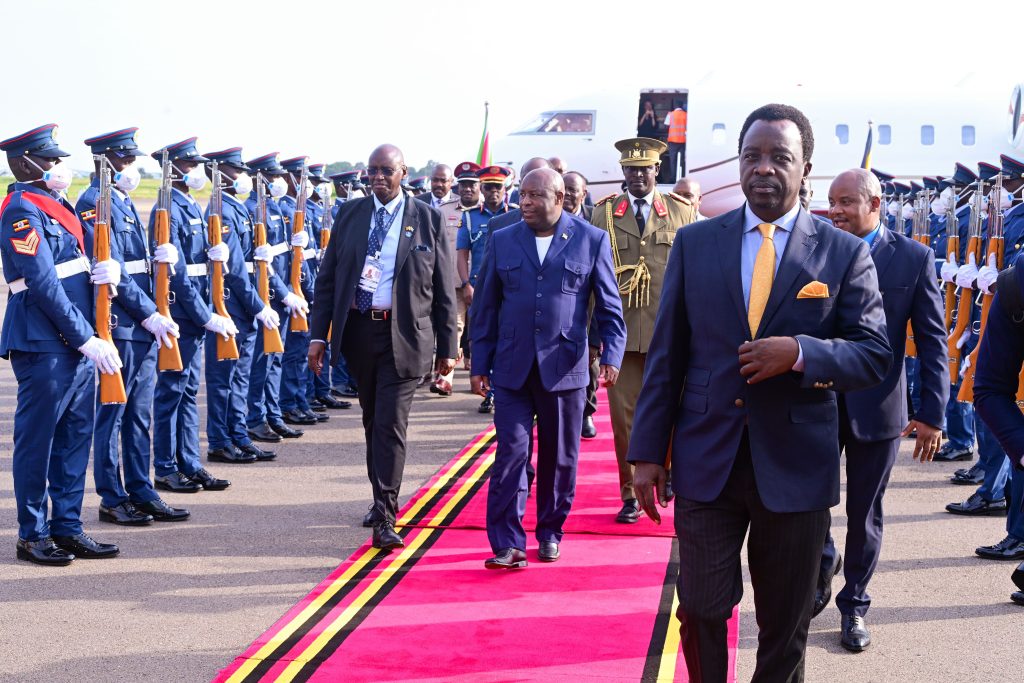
{"points": [[483, 155], [865, 163]]}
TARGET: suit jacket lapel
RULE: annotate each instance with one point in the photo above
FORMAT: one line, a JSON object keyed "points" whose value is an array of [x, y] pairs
{"points": [[405, 240], [525, 237], [800, 246], [654, 221], [360, 238], [563, 233], [730, 240], [882, 254]]}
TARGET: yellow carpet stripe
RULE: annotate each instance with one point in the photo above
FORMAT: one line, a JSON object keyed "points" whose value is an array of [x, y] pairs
{"points": [[669, 656], [353, 608], [286, 631]]}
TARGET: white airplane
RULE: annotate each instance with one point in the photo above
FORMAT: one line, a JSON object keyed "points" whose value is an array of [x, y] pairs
{"points": [[916, 133]]}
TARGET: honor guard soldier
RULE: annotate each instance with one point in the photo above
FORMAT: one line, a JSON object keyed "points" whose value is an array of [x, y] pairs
{"points": [[343, 187], [1013, 221], [48, 335], [137, 330], [295, 408], [265, 421], [642, 224], [176, 454], [471, 243], [227, 381], [342, 383], [418, 185]]}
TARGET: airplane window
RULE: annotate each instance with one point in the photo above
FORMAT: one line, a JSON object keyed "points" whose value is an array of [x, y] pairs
{"points": [[966, 135], [885, 134], [560, 122], [927, 135], [718, 134], [842, 133]]}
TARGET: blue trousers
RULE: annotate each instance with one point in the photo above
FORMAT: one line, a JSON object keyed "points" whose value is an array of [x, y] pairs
{"points": [[868, 465], [294, 372], [318, 386], [912, 368], [128, 424], [993, 460], [1015, 514], [265, 382], [176, 412], [959, 420], [559, 420], [52, 433], [227, 389]]}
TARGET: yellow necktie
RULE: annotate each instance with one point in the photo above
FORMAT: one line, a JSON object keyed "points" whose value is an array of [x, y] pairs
{"points": [[764, 274]]}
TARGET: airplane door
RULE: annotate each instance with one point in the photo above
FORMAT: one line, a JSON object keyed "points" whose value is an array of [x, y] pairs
{"points": [[654, 108]]}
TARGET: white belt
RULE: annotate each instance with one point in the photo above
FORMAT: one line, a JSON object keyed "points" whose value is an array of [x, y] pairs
{"points": [[250, 267], [196, 269], [63, 270], [279, 248], [309, 254], [136, 267]]}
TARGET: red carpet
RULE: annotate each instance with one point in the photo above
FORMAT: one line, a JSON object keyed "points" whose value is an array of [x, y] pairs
{"points": [[604, 611]]}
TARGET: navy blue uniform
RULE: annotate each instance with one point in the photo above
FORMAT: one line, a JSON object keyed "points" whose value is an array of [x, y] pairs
{"points": [[294, 368]]}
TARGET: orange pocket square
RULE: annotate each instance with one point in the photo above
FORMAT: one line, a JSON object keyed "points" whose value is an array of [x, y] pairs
{"points": [[813, 290]]}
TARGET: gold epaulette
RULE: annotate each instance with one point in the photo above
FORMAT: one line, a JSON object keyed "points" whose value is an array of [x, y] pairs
{"points": [[602, 200], [678, 198]]}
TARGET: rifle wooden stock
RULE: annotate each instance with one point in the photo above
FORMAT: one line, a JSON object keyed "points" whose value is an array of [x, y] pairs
{"points": [[297, 322], [169, 357], [966, 393], [963, 313], [111, 386], [911, 344], [953, 248], [271, 336], [227, 349], [1020, 388]]}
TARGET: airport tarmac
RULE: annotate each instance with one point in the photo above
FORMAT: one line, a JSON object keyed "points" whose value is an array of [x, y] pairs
{"points": [[184, 599]]}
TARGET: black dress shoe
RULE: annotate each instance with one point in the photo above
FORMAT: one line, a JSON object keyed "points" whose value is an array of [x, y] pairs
{"points": [[347, 391], [548, 551], [855, 636], [976, 506], [948, 453], [316, 405], [177, 482], [44, 552], [589, 431], [486, 406], [283, 430], [1009, 548], [823, 593], [1017, 597], [264, 433], [162, 512], [971, 471], [125, 514], [372, 518], [968, 477], [208, 481], [509, 558], [319, 417], [1018, 576], [385, 537], [329, 401], [630, 512], [255, 452], [296, 417], [85, 548], [230, 455]]}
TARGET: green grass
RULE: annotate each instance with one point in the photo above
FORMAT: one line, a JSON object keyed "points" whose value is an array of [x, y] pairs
{"points": [[147, 189]]}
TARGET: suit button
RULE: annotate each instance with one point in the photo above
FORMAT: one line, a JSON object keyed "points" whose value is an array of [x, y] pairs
{"points": [[537, 331], [540, 277], [538, 295], [738, 403], [643, 243], [538, 313]]}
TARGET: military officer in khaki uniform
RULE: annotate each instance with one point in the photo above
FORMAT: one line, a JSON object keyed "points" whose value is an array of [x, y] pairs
{"points": [[641, 224]]}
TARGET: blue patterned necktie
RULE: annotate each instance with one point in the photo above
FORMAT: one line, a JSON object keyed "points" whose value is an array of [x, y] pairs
{"points": [[364, 298]]}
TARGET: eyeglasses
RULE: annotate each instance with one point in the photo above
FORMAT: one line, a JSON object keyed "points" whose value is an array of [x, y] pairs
{"points": [[385, 171], [492, 187]]}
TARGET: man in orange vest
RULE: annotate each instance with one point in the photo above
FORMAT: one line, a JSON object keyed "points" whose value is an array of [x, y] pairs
{"points": [[676, 122]]}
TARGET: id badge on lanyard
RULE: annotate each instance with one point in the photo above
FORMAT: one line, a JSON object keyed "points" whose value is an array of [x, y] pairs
{"points": [[373, 268]]}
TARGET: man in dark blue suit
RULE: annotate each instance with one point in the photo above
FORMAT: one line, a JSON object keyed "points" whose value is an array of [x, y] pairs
{"points": [[746, 398], [871, 421], [528, 326]]}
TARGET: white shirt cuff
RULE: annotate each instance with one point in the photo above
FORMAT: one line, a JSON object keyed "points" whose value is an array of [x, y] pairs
{"points": [[798, 366]]}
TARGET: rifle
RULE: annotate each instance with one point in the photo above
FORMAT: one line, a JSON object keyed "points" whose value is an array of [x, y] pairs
{"points": [[169, 357], [919, 233], [226, 348], [953, 252], [271, 336], [994, 247], [963, 311], [297, 322], [111, 386]]}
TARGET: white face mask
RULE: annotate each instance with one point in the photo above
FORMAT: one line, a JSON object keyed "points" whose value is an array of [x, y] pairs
{"points": [[939, 205], [242, 184], [894, 208], [127, 179], [323, 190], [194, 179], [57, 178], [908, 211], [1003, 201], [310, 189], [278, 187]]}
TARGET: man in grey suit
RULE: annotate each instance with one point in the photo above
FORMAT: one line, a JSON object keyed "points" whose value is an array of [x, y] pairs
{"points": [[384, 291], [744, 400]]}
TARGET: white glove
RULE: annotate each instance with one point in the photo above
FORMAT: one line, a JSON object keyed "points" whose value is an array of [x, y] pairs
{"points": [[965, 366], [107, 273], [987, 275], [948, 271], [166, 253], [300, 239], [967, 273], [218, 252], [225, 327], [963, 340], [161, 327], [103, 353], [262, 253], [269, 317], [320, 254], [296, 305]]}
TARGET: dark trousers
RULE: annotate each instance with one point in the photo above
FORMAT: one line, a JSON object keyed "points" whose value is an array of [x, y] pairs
{"points": [[590, 407], [176, 410], [868, 465], [385, 399], [559, 420], [783, 552], [676, 161]]}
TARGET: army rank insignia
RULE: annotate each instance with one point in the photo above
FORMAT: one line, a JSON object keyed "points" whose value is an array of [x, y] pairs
{"points": [[27, 245], [23, 224], [620, 210], [89, 214], [659, 207]]}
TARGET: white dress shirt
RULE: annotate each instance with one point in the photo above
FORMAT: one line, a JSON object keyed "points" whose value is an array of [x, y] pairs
{"points": [[389, 248], [647, 205]]}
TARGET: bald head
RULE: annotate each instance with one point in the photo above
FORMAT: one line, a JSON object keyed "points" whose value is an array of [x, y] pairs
{"points": [[559, 165], [441, 179], [540, 199], [854, 201], [689, 189], [532, 165], [386, 170]]}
